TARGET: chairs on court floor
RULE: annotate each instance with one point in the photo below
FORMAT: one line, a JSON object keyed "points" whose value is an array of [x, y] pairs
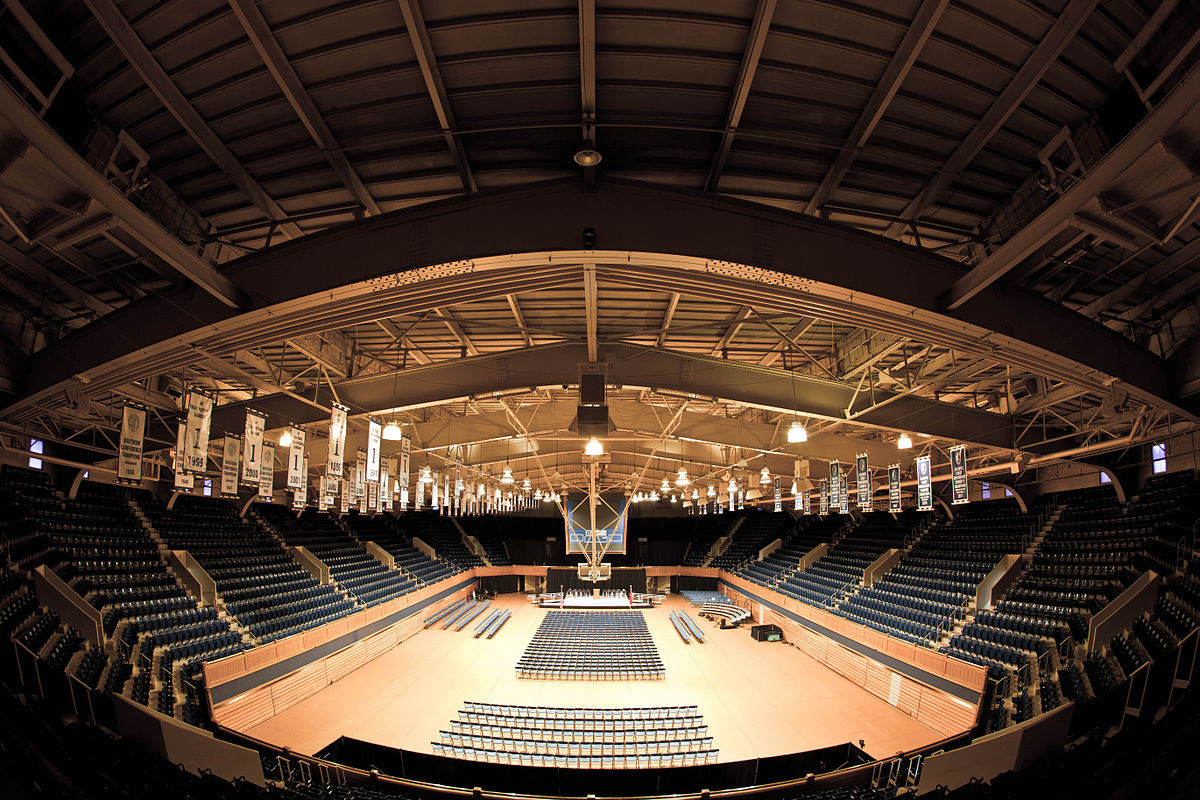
{"points": [[591, 645]]}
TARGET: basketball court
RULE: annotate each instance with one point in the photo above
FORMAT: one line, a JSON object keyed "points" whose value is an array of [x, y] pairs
{"points": [[758, 699]]}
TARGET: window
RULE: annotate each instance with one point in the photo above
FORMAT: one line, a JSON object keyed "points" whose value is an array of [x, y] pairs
{"points": [[1158, 453], [208, 487], [985, 491], [36, 446], [1104, 478], [87, 473]]}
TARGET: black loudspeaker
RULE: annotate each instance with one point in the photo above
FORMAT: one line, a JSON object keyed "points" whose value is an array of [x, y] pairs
{"points": [[591, 390], [767, 633], [592, 420]]}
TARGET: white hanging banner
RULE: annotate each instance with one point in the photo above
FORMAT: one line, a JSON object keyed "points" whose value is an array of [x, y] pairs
{"points": [[229, 466], [297, 464], [863, 480], [844, 495], [420, 501], [835, 484], [199, 422], [374, 442], [360, 474], [345, 498], [824, 504], [335, 463], [924, 485], [894, 499], [958, 474], [266, 484], [252, 444], [184, 482], [405, 451], [329, 490], [807, 497], [300, 493], [778, 493], [129, 455], [385, 487]]}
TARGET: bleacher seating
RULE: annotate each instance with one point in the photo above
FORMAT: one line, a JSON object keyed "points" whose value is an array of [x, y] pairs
{"points": [[840, 570], [811, 530], [579, 738], [442, 534], [486, 529], [591, 645], [707, 529], [758, 529], [699, 597]]}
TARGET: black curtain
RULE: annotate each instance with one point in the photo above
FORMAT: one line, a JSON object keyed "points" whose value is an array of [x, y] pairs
{"points": [[621, 579], [692, 583], [501, 584]]}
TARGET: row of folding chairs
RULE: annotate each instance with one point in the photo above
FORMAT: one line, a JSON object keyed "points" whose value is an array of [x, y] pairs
{"points": [[583, 674], [550, 723], [644, 761], [691, 625], [593, 736], [578, 748], [548, 712]]}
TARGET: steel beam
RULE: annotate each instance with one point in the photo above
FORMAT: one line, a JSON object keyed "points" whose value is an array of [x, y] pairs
{"points": [[260, 35], [1049, 47], [924, 21], [141, 59], [668, 315], [735, 325], [1157, 124], [587, 67], [32, 268], [1178, 260], [515, 308], [73, 166], [414, 23], [591, 302], [456, 328], [759, 28], [401, 336]]}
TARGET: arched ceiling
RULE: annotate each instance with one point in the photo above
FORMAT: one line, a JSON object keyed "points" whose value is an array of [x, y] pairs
{"points": [[162, 210]]}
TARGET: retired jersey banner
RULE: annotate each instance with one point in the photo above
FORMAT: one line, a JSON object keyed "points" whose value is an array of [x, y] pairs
{"points": [[252, 446], [844, 495], [894, 501], [133, 432], [297, 464], [335, 463], [924, 485], [374, 442], [778, 493], [199, 423], [184, 482], [229, 466], [806, 497], [823, 506], [360, 474], [958, 474], [405, 453], [385, 488], [373, 496], [300, 493], [266, 483], [863, 481], [835, 484]]}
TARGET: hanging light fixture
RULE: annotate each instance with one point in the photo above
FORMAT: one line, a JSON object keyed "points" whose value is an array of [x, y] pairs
{"points": [[797, 433], [537, 495], [695, 494], [711, 491], [426, 474], [526, 484], [507, 477], [593, 448], [732, 485], [673, 500], [904, 442], [683, 479], [286, 439], [391, 432], [666, 487], [653, 496], [765, 476]]}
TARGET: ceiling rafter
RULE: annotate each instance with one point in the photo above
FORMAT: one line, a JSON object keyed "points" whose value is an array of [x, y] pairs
{"points": [[260, 35]]}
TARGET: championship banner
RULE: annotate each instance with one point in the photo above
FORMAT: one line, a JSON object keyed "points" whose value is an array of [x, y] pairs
{"points": [[184, 482], [266, 483], [129, 455], [863, 480], [345, 497], [300, 493], [199, 422], [404, 498], [374, 440], [924, 485], [360, 474], [252, 448], [329, 489], [824, 503], [297, 465], [420, 500], [229, 466], [806, 496], [778, 494], [844, 495], [894, 500], [334, 464], [373, 496], [835, 484], [958, 474]]}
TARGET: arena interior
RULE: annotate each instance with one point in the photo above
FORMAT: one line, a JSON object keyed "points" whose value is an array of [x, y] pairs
{"points": [[563, 399]]}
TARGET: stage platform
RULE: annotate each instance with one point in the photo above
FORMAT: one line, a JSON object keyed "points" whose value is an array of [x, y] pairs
{"points": [[594, 603], [758, 699]]}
